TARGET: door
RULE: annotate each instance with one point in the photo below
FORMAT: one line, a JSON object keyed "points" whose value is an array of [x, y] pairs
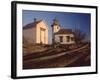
{"points": [[42, 35]]}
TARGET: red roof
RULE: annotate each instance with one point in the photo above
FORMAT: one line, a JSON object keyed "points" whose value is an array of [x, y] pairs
{"points": [[64, 31]]}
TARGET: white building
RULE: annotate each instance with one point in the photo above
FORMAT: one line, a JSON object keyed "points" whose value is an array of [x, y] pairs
{"points": [[36, 32], [63, 36]]}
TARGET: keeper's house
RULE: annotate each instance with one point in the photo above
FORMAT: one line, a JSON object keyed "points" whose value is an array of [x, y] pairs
{"points": [[64, 36]]}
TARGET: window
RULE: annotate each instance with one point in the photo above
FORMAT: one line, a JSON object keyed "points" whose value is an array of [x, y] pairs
{"points": [[72, 38], [57, 27], [67, 38], [61, 38]]}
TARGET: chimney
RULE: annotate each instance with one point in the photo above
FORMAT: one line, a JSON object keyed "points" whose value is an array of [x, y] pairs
{"points": [[34, 19]]}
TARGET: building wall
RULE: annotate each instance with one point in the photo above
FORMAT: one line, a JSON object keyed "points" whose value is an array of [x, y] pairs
{"points": [[30, 34], [42, 25], [33, 34], [64, 38]]}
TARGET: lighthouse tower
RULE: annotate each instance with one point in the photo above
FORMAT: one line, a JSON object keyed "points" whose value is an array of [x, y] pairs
{"points": [[55, 28]]}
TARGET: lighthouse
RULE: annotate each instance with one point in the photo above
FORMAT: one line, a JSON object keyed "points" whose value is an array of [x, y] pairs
{"points": [[55, 28]]}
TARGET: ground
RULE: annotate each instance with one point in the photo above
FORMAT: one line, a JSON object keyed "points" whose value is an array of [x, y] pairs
{"points": [[50, 57]]}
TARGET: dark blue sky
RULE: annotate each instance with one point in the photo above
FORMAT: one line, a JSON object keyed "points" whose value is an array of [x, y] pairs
{"points": [[66, 20]]}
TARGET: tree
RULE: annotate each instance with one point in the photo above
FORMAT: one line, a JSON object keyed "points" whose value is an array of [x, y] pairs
{"points": [[79, 35]]}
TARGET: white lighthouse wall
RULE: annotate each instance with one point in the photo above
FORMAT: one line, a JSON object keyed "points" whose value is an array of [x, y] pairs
{"points": [[56, 28]]}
